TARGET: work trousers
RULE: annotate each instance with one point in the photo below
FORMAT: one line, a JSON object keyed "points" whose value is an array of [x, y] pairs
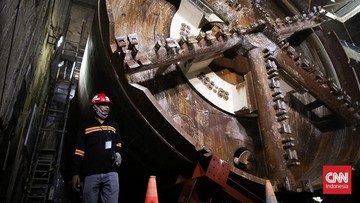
{"points": [[105, 185]]}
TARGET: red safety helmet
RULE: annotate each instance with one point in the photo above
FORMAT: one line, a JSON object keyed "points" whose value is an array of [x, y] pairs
{"points": [[100, 98]]}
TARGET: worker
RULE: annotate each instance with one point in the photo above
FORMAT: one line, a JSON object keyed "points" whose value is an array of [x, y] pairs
{"points": [[97, 155]]}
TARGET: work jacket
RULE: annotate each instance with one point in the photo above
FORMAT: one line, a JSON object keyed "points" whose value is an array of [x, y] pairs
{"points": [[95, 147]]}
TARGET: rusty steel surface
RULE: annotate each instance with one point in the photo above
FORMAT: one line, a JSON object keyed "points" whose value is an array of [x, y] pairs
{"points": [[270, 119], [233, 84], [315, 82]]}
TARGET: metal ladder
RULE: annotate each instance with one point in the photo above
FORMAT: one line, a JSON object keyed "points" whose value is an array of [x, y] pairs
{"points": [[47, 157]]}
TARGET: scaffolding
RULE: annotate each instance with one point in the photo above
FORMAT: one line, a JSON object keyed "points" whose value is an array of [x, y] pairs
{"points": [[45, 176]]}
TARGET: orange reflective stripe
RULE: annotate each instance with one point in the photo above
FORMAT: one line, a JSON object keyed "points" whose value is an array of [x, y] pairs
{"points": [[100, 128], [79, 152], [82, 155], [92, 129]]}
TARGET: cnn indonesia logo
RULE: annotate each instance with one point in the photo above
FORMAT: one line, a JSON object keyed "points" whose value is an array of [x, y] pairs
{"points": [[337, 179]]}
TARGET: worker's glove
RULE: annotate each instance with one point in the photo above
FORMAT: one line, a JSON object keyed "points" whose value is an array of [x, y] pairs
{"points": [[117, 158]]}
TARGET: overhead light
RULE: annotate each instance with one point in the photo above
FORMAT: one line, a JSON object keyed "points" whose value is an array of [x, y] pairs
{"points": [[59, 41], [55, 41], [61, 64]]}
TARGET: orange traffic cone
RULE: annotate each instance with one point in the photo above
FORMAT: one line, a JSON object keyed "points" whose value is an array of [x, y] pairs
{"points": [[269, 193], [151, 193]]}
